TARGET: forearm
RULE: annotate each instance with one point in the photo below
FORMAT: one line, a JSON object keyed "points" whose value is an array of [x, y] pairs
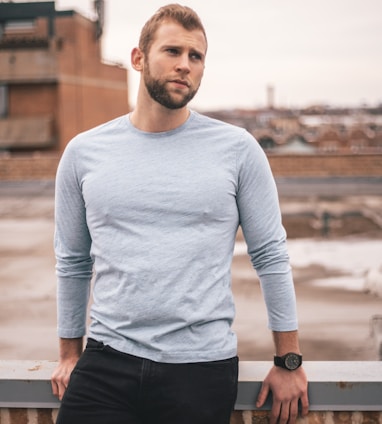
{"points": [[285, 342]]}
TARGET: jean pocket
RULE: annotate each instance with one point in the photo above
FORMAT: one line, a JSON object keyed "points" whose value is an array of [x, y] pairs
{"points": [[93, 344]]}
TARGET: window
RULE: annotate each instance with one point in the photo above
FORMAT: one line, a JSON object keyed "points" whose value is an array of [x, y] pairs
{"points": [[3, 101], [12, 27]]}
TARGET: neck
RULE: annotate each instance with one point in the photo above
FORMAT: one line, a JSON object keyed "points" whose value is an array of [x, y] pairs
{"points": [[157, 118]]}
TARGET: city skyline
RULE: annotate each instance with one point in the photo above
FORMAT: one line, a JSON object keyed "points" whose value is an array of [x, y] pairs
{"points": [[310, 52]]}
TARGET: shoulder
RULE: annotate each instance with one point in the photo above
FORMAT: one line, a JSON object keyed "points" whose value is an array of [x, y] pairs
{"points": [[100, 131], [206, 122], [237, 137], [92, 143]]}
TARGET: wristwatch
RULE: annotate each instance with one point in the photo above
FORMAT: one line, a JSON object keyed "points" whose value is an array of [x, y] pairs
{"points": [[291, 361]]}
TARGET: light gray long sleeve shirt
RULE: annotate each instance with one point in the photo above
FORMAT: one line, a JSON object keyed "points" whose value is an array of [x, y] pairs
{"points": [[154, 217]]}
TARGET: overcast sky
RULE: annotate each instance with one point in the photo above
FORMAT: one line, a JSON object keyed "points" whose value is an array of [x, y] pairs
{"points": [[327, 51]]}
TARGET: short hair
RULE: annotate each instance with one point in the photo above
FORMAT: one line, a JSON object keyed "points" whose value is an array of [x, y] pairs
{"points": [[182, 15]]}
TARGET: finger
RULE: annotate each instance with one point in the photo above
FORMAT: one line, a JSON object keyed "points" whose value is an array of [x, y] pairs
{"points": [[304, 404], [275, 412], [54, 387], [61, 390], [293, 412], [65, 380], [284, 413], [262, 395]]}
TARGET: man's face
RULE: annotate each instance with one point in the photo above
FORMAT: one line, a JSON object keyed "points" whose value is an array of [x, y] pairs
{"points": [[174, 66]]}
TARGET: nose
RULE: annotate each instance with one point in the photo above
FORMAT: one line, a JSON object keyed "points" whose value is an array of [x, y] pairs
{"points": [[183, 64]]}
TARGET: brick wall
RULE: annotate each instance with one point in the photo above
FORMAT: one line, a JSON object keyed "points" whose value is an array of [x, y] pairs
{"points": [[43, 166], [48, 416], [316, 417], [368, 165], [33, 167]]}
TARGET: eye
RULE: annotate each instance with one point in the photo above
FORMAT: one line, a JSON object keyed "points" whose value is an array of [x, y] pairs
{"points": [[196, 56], [172, 51]]}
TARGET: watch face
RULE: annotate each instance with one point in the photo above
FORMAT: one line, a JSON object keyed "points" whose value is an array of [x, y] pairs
{"points": [[292, 361]]}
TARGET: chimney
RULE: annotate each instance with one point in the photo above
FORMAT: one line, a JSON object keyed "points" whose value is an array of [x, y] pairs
{"points": [[270, 96]]}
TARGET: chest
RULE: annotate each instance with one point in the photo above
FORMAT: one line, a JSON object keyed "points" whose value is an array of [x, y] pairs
{"points": [[191, 185]]}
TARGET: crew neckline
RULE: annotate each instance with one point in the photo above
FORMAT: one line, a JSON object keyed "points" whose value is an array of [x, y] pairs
{"points": [[161, 133]]}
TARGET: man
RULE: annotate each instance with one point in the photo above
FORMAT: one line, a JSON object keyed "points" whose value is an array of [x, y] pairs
{"points": [[152, 201]]}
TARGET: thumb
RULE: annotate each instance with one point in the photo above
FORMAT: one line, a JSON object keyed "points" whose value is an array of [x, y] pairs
{"points": [[261, 398]]}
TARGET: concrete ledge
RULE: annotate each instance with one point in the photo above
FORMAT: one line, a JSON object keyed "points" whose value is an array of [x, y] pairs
{"points": [[26, 384], [333, 386]]}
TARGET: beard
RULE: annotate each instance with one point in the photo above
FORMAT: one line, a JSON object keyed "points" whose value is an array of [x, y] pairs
{"points": [[158, 91]]}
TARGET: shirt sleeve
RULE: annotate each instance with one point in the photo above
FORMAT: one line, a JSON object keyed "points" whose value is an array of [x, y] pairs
{"points": [[260, 219], [72, 245]]}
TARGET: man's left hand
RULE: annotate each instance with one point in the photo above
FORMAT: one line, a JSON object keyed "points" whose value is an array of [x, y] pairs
{"points": [[288, 389]]}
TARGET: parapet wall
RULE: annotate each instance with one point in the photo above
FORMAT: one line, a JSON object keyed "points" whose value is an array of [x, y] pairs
{"points": [[41, 166], [339, 392]]}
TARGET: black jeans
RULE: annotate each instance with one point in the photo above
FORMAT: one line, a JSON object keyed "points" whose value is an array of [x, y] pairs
{"points": [[110, 387]]}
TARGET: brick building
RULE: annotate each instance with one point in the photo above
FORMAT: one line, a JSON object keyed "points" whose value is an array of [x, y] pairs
{"points": [[53, 82]]}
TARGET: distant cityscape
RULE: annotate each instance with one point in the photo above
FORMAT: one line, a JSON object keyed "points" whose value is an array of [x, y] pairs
{"points": [[316, 129]]}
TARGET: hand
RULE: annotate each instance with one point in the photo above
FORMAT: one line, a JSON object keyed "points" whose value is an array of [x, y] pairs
{"points": [[288, 388], [70, 352], [61, 375]]}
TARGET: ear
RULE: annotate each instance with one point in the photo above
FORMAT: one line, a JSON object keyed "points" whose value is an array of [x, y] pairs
{"points": [[137, 59]]}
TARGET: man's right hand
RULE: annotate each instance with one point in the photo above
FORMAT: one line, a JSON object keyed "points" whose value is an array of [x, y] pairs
{"points": [[61, 375], [70, 351]]}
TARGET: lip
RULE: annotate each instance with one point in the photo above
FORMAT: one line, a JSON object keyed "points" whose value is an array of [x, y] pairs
{"points": [[181, 82]]}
